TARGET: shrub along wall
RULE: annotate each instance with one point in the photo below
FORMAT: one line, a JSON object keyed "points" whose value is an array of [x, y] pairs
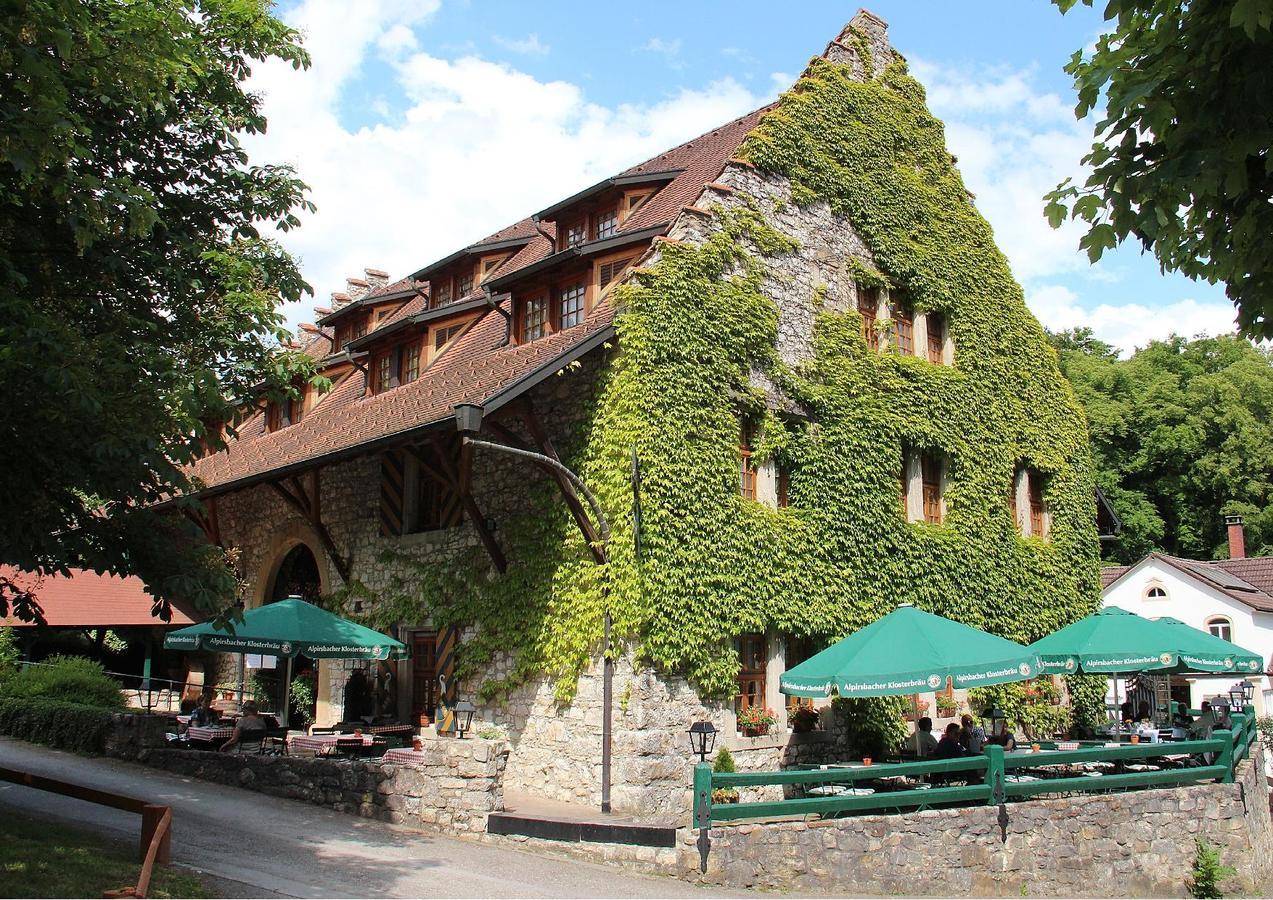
{"points": [[67, 726]]}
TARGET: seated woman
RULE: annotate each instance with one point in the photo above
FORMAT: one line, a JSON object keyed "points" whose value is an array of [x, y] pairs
{"points": [[250, 728]]}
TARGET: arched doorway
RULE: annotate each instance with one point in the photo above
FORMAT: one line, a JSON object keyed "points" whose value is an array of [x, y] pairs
{"points": [[297, 575]]}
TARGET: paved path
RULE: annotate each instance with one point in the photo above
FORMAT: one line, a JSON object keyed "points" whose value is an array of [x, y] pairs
{"points": [[266, 846]]}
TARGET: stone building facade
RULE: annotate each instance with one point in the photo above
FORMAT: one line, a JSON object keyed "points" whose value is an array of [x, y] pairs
{"points": [[318, 475]]}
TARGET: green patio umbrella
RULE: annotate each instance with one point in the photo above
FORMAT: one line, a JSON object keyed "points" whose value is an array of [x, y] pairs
{"points": [[1201, 652], [909, 651], [290, 628]]}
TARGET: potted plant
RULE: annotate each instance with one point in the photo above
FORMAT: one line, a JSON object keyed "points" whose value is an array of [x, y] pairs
{"points": [[916, 709], [755, 721], [724, 763], [803, 719], [946, 706]]}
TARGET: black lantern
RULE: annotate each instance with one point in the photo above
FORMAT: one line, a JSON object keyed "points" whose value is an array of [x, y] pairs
{"points": [[994, 722], [468, 418], [1241, 694], [463, 717], [702, 739]]}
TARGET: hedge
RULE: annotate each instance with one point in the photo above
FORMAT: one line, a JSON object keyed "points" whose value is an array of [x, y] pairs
{"points": [[67, 726]]}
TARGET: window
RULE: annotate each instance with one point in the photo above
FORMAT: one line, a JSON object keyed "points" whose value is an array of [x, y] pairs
{"points": [[273, 417], [534, 319], [798, 649], [930, 472], [442, 294], [746, 468], [1038, 511], [753, 655], [936, 338], [410, 366], [381, 373], [382, 314], [444, 334], [903, 326], [491, 263], [784, 486], [570, 303], [632, 201], [576, 234], [610, 271], [431, 503], [1220, 627], [359, 327], [464, 286], [1156, 592], [868, 306], [607, 223]]}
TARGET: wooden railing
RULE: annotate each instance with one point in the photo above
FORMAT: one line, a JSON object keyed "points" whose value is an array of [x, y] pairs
{"points": [[156, 821], [985, 776]]}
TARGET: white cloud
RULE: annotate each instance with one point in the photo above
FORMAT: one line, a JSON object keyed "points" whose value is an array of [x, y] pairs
{"points": [[529, 45], [472, 145], [1130, 325], [669, 50]]}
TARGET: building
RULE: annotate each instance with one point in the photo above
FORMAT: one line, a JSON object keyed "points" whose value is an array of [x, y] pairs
{"points": [[1231, 598], [790, 364]]}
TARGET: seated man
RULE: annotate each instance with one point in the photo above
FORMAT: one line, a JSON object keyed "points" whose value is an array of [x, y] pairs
{"points": [[949, 747], [204, 714], [250, 728], [1203, 726], [925, 743]]}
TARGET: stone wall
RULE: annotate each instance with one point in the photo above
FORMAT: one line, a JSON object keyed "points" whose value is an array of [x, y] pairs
{"points": [[132, 734], [1138, 843], [455, 786]]}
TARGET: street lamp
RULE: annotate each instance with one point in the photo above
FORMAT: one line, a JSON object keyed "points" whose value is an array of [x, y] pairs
{"points": [[993, 721], [1241, 694], [463, 717], [702, 739]]}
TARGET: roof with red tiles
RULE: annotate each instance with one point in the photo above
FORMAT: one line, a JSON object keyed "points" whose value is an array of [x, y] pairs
{"points": [[90, 600], [478, 367], [1248, 580]]}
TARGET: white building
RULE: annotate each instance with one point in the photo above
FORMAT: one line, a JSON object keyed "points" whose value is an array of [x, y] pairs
{"points": [[1232, 598]]}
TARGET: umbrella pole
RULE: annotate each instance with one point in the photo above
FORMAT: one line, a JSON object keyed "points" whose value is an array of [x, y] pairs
{"points": [[1118, 713], [287, 693]]}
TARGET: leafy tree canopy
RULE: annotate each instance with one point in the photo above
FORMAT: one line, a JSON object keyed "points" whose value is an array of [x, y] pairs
{"points": [[139, 290], [1182, 433], [1181, 161]]}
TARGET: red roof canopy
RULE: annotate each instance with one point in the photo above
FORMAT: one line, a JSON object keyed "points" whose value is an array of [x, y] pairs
{"points": [[90, 600]]}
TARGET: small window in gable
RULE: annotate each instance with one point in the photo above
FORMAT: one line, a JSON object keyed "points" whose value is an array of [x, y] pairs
{"points": [[570, 304], [1156, 592], [1221, 627], [491, 263], [443, 335], [903, 326], [534, 319], [442, 293], [607, 224], [359, 327], [409, 369], [868, 308], [936, 323], [746, 466], [632, 202], [464, 286], [575, 234], [610, 271], [382, 373]]}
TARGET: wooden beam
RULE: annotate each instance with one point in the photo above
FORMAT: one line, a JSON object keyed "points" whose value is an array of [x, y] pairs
{"points": [[301, 502], [465, 484], [544, 443]]}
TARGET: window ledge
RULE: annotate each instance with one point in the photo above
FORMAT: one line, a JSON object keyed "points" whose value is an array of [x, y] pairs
{"points": [[775, 741]]}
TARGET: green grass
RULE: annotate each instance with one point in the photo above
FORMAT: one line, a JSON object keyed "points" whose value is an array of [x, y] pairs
{"points": [[43, 859]]}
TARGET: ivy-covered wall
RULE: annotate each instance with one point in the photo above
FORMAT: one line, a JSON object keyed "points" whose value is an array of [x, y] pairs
{"points": [[696, 342]]}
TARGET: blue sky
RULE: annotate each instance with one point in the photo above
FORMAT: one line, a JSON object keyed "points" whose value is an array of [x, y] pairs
{"points": [[425, 125]]}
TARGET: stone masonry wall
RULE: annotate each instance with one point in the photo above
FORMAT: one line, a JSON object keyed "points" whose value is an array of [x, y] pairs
{"points": [[456, 786]]}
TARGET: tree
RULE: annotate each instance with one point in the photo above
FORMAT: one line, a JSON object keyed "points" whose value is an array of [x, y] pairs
{"points": [[1181, 161], [138, 293], [1182, 434]]}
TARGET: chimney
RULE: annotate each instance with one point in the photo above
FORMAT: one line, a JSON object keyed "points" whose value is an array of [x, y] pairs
{"points": [[865, 31], [1237, 538], [377, 278], [356, 288], [310, 328], [339, 299]]}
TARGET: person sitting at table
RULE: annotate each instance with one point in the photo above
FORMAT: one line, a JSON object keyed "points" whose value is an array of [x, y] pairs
{"points": [[204, 714], [1182, 719], [925, 743], [949, 747], [1143, 713], [1202, 726], [1126, 710], [971, 735], [250, 727]]}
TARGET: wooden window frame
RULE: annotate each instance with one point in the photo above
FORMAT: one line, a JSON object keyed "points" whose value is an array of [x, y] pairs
{"points": [[936, 342], [579, 291], [1038, 506], [752, 671], [604, 215], [870, 312], [632, 202], [581, 224], [381, 372], [460, 279], [596, 289], [903, 325], [541, 296], [443, 294], [273, 417], [489, 264], [747, 471], [783, 491], [931, 469], [411, 352], [359, 325], [1221, 623], [444, 329]]}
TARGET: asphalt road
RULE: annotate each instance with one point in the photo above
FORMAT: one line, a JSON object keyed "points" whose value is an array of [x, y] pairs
{"points": [[260, 846]]}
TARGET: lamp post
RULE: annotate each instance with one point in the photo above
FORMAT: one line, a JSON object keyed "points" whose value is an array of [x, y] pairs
{"points": [[468, 422], [463, 718], [702, 739], [1241, 694], [994, 722]]}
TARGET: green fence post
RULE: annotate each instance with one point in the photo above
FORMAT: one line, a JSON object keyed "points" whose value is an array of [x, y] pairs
{"points": [[994, 773], [702, 819], [1225, 737]]}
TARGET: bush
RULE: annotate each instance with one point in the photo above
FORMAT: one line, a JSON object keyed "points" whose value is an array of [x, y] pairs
{"points": [[1208, 872], [67, 726], [9, 656], [72, 679], [724, 763], [874, 724]]}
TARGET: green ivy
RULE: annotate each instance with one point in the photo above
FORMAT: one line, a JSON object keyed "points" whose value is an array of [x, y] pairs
{"points": [[692, 329]]}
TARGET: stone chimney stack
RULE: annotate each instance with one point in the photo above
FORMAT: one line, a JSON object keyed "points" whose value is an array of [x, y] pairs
{"points": [[377, 278], [357, 288], [865, 31], [1237, 537], [339, 299]]}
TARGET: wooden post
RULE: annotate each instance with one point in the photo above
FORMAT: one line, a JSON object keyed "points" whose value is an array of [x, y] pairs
{"points": [[151, 815], [994, 773], [1225, 737], [703, 811]]}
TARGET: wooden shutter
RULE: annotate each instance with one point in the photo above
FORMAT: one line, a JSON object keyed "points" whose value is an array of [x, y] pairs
{"points": [[612, 270], [392, 464]]}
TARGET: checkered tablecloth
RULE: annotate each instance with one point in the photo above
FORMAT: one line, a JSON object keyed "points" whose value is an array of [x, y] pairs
{"points": [[206, 733], [312, 743], [395, 728], [404, 756]]}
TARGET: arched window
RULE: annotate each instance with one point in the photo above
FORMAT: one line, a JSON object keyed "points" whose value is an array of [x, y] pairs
{"points": [[1156, 592], [1220, 627]]}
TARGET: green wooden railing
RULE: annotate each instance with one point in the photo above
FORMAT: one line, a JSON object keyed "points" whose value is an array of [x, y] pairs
{"points": [[986, 776]]}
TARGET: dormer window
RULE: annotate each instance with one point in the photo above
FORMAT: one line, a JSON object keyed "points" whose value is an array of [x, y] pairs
{"points": [[632, 201], [442, 293], [288, 411], [570, 304], [410, 366], [534, 319], [576, 233], [443, 335], [464, 286], [382, 373], [607, 224]]}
